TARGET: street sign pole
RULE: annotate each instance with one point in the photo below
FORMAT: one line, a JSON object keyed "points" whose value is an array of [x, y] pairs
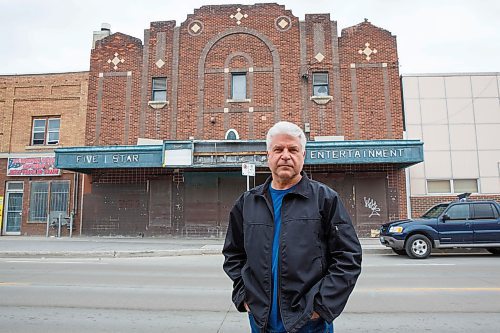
{"points": [[248, 170]]}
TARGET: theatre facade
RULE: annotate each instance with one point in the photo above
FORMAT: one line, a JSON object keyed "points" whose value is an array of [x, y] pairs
{"points": [[171, 120]]}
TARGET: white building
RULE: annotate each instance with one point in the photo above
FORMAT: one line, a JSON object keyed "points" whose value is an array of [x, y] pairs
{"points": [[457, 116]]}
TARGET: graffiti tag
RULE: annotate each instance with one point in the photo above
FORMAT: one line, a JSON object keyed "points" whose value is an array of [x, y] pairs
{"points": [[372, 204]]}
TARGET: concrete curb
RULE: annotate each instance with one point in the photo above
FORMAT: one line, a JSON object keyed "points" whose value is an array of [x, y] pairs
{"points": [[132, 248], [178, 252], [107, 254], [130, 254]]}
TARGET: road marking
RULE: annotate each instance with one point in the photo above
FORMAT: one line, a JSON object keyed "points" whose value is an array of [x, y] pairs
{"points": [[13, 284], [43, 261], [406, 265], [424, 264], [396, 289]]}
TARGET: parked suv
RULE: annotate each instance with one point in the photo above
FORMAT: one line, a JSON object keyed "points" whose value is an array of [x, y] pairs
{"points": [[455, 224]]}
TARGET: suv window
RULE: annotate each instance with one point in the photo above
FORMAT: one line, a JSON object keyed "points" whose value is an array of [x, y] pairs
{"points": [[458, 212], [483, 211], [435, 211]]}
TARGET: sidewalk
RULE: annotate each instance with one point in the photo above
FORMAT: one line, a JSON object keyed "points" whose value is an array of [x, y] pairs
{"points": [[100, 247], [96, 247]]}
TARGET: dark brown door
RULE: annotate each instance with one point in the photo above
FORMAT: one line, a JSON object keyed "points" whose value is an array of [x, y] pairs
{"points": [[371, 203], [343, 184]]}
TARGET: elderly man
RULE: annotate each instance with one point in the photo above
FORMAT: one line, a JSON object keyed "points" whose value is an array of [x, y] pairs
{"points": [[290, 249]]}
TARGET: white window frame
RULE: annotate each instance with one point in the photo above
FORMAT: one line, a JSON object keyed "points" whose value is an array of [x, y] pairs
{"points": [[156, 90], [327, 84], [232, 130], [452, 186], [243, 86], [46, 131]]}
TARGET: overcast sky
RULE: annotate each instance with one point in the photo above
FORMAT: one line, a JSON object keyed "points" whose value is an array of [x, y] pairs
{"points": [[434, 36]]}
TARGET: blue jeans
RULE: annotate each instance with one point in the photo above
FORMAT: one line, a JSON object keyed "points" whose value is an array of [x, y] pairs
{"points": [[312, 326]]}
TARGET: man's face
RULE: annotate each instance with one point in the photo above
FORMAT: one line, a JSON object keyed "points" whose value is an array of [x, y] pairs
{"points": [[285, 158]]}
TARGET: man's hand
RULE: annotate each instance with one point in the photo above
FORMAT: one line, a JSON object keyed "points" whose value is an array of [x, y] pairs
{"points": [[314, 316], [246, 307]]}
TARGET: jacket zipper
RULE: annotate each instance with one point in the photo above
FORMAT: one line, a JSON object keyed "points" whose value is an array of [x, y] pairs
{"points": [[279, 260], [271, 257]]}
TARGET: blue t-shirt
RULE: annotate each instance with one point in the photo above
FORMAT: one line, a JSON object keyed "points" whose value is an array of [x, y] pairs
{"points": [[275, 322]]}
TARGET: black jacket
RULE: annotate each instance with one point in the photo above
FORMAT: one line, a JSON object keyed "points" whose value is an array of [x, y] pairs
{"points": [[320, 254]]}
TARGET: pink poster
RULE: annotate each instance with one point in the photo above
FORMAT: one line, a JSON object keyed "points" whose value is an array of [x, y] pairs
{"points": [[32, 166]]}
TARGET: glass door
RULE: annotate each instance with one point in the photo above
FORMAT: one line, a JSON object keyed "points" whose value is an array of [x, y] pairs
{"points": [[13, 209]]}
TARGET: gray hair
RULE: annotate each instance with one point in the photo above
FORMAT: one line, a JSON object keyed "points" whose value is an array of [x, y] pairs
{"points": [[285, 127]]}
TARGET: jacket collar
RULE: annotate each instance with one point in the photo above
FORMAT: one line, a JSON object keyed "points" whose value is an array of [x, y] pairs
{"points": [[302, 188]]}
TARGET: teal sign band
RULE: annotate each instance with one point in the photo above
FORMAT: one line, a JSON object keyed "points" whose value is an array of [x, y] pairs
{"points": [[213, 154], [109, 157], [364, 152]]}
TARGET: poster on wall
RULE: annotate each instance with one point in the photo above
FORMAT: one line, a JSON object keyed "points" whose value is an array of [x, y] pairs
{"points": [[32, 166]]}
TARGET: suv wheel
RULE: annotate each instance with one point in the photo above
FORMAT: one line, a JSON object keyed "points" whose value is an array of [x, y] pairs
{"points": [[494, 250], [418, 247]]}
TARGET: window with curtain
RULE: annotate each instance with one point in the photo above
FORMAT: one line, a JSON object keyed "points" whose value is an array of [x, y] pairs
{"points": [[45, 131], [320, 84], [159, 93]]}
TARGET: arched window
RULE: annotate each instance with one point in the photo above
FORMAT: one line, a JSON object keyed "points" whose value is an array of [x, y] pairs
{"points": [[232, 135]]}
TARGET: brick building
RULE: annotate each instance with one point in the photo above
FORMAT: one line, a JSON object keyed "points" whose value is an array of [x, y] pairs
{"points": [[208, 90], [39, 113]]}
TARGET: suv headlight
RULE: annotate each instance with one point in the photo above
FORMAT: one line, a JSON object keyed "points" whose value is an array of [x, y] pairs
{"points": [[396, 230]]}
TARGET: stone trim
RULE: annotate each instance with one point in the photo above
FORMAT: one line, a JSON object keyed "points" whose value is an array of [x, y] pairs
{"points": [[250, 125], [304, 87], [227, 77], [245, 109], [279, 19], [98, 114], [321, 100], [144, 84], [175, 82], [158, 104], [318, 39], [355, 106], [128, 98], [224, 70], [201, 71], [246, 100], [387, 103], [337, 96], [43, 147], [161, 45]]}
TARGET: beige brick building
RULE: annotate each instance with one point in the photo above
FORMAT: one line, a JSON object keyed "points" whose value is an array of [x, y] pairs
{"points": [[39, 113]]}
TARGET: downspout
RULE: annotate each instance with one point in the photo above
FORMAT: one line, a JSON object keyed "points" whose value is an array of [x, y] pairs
{"points": [[408, 185]]}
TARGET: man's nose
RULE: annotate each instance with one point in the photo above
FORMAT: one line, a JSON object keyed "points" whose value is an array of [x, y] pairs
{"points": [[285, 154]]}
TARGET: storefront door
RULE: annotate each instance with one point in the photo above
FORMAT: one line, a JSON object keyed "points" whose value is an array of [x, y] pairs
{"points": [[13, 208]]}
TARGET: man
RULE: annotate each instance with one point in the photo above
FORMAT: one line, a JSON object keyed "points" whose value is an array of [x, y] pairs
{"points": [[290, 248]]}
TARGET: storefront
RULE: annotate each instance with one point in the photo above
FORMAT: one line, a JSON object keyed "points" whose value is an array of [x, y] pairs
{"points": [[187, 188], [35, 195]]}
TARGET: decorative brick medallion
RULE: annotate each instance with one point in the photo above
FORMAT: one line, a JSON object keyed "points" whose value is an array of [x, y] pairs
{"points": [[367, 51], [116, 61], [195, 28], [283, 23], [238, 16]]}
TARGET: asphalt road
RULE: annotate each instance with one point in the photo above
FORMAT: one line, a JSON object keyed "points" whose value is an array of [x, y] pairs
{"points": [[452, 293]]}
